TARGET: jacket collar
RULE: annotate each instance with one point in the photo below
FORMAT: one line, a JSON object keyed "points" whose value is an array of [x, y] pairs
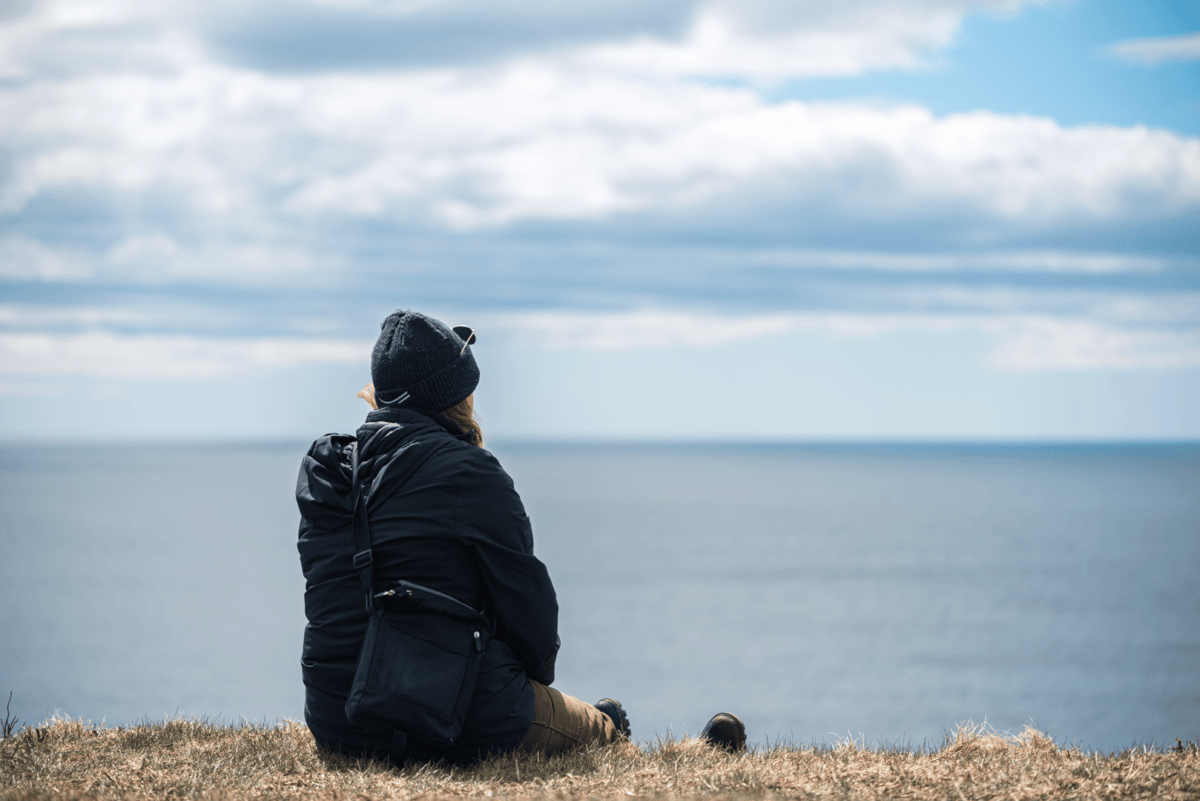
{"points": [[408, 416]]}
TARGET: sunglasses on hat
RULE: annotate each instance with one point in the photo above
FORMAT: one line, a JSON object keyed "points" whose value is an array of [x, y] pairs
{"points": [[467, 335]]}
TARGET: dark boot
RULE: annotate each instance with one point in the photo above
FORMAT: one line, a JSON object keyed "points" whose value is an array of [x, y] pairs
{"points": [[725, 731], [616, 713]]}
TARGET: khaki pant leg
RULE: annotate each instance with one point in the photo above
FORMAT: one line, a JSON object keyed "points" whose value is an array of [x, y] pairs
{"points": [[562, 723]]}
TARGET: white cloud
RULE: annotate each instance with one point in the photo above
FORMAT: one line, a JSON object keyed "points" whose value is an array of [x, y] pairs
{"points": [[158, 258], [771, 40], [1119, 335], [512, 150], [35, 318], [1047, 343], [1146, 339], [636, 330], [33, 389], [125, 105], [1021, 261], [560, 135], [747, 38], [24, 258], [1156, 50], [752, 38], [102, 354], [529, 142], [663, 328]]}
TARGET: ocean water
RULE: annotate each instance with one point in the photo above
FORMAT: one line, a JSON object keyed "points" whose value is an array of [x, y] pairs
{"points": [[880, 592]]}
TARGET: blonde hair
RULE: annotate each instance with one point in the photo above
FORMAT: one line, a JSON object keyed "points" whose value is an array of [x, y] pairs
{"points": [[462, 414]]}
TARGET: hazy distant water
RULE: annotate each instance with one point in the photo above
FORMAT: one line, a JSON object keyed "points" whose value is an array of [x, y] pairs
{"points": [[816, 590]]}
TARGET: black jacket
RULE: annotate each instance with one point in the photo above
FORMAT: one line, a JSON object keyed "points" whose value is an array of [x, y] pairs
{"points": [[444, 514]]}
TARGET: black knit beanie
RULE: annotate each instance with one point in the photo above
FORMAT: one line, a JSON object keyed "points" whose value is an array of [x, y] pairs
{"points": [[425, 358]]}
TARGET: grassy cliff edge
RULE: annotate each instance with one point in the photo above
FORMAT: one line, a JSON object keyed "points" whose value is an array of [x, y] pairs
{"points": [[199, 759]]}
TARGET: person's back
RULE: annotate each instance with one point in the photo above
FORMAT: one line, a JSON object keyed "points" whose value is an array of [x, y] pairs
{"points": [[444, 514], [441, 513]]}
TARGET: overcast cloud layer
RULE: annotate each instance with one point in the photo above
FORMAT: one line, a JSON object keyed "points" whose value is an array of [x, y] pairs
{"points": [[203, 189]]}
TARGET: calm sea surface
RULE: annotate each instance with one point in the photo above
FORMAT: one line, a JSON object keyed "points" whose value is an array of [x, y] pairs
{"points": [[882, 592]]}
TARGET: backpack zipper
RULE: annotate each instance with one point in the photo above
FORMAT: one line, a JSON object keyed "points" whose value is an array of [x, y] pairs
{"points": [[451, 598]]}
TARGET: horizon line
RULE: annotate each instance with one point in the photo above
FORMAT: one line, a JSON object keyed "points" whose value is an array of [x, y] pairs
{"points": [[964, 441]]}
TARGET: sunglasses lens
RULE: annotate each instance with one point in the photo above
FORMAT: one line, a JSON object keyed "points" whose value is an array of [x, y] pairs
{"points": [[466, 334]]}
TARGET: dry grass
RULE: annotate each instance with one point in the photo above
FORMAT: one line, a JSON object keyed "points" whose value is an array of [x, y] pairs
{"points": [[198, 759]]}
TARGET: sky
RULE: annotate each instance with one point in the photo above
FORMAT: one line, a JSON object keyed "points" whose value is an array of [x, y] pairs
{"points": [[872, 219]]}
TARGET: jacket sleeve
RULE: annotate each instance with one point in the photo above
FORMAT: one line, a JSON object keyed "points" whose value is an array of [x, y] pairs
{"points": [[492, 521]]}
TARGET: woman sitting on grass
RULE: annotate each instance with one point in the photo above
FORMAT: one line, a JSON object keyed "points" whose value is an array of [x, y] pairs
{"points": [[442, 513]]}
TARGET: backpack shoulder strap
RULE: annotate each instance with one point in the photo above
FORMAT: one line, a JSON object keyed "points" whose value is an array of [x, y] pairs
{"points": [[362, 533]]}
